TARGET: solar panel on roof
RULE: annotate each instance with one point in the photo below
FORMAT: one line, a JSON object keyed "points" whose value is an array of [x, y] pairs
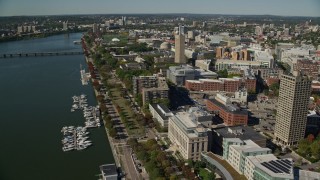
{"points": [[279, 166], [272, 163], [287, 162], [284, 164], [268, 166]]}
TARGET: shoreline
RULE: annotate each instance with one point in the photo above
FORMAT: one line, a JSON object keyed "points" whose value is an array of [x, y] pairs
{"points": [[36, 36], [116, 156]]}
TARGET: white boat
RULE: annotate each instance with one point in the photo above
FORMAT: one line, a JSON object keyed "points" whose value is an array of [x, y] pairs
{"points": [[75, 106], [67, 149], [88, 144]]}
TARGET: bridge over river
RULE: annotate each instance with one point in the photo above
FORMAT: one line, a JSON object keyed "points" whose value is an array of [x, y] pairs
{"points": [[27, 54]]}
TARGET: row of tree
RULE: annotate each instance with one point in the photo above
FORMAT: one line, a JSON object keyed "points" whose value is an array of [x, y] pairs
{"points": [[310, 147], [157, 163]]}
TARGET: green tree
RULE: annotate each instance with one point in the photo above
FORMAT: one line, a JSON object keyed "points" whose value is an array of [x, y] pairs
{"points": [[190, 162], [174, 177], [142, 155], [165, 164], [112, 132], [303, 146], [298, 162], [223, 73], [315, 149], [277, 152], [133, 142], [211, 176], [138, 99], [161, 156]]}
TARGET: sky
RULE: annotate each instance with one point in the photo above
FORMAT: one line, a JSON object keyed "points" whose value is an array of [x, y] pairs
{"points": [[239, 7]]}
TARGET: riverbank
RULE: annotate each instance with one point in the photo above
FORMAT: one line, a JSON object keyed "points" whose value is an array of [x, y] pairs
{"points": [[36, 36], [122, 152], [112, 145]]}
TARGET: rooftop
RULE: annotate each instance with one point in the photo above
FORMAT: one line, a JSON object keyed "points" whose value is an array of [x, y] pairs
{"points": [[249, 146], [241, 132], [229, 108], [161, 110], [109, 170], [303, 174], [188, 124], [280, 168]]}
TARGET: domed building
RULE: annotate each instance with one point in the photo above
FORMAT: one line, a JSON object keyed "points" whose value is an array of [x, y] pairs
{"points": [[115, 40], [165, 46]]}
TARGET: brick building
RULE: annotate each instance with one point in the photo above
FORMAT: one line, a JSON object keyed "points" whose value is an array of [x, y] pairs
{"points": [[204, 85], [231, 114], [310, 68], [221, 84]]}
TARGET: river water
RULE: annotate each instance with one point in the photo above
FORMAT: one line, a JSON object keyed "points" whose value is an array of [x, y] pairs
{"points": [[35, 102]]}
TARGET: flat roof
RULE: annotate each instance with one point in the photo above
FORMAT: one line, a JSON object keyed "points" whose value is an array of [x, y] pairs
{"points": [[211, 80], [109, 170], [237, 140], [303, 174], [280, 168], [163, 107], [184, 121], [185, 118], [194, 81], [229, 109], [246, 133]]}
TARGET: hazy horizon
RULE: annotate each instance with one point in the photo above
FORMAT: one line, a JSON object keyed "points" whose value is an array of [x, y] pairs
{"points": [[306, 8]]}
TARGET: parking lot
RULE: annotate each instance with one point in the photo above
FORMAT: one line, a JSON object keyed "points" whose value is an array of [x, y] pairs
{"points": [[264, 111]]}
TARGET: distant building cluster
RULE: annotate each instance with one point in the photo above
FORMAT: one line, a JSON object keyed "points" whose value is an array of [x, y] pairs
{"points": [[180, 74], [26, 29], [243, 56], [304, 58]]}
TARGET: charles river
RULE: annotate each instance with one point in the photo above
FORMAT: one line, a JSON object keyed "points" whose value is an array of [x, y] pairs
{"points": [[35, 103]]}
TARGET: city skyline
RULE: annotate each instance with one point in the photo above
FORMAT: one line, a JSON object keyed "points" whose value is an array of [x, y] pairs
{"points": [[232, 7]]}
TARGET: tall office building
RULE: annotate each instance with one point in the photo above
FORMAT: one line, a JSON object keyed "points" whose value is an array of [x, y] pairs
{"points": [[20, 30], [194, 23], [292, 109], [65, 25], [95, 28], [271, 26], [180, 46], [258, 31]]}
